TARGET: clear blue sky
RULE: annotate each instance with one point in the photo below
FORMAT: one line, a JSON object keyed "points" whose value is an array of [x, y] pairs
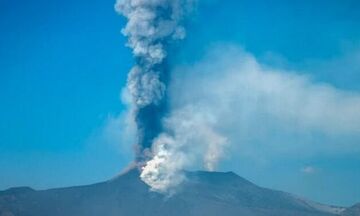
{"points": [[64, 63]]}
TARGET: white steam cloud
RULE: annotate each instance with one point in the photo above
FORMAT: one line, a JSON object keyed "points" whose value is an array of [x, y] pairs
{"points": [[265, 112], [191, 138], [233, 84]]}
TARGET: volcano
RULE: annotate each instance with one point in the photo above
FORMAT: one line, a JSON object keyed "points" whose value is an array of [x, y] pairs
{"points": [[203, 193]]}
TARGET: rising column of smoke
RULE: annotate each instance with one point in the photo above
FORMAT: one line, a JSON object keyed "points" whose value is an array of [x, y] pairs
{"points": [[168, 145], [151, 28]]}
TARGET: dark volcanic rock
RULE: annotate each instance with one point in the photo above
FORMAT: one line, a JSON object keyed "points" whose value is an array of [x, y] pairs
{"points": [[205, 193]]}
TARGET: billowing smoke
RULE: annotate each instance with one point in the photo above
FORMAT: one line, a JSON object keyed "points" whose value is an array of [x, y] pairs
{"points": [[152, 27], [189, 136], [165, 138]]}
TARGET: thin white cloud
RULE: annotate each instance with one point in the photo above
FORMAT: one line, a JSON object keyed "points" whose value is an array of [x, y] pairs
{"points": [[265, 111], [118, 132], [308, 170]]}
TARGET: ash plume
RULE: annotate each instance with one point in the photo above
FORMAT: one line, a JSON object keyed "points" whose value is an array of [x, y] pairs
{"points": [[152, 26], [168, 141]]}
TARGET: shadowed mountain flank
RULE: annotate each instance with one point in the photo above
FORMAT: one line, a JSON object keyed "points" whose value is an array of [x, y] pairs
{"points": [[204, 193], [352, 211]]}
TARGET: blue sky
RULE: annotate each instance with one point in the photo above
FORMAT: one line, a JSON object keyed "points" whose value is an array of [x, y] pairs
{"points": [[63, 65]]}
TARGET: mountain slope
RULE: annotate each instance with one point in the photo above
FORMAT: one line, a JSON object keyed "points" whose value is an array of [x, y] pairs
{"points": [[205, 193], [352, 211]]}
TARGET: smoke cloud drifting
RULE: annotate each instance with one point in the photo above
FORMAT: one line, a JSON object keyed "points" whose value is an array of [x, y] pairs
{"points": [[266, 112]]}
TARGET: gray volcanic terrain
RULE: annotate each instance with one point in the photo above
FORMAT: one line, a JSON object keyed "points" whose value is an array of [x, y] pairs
{"points": [[204, 193]]}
